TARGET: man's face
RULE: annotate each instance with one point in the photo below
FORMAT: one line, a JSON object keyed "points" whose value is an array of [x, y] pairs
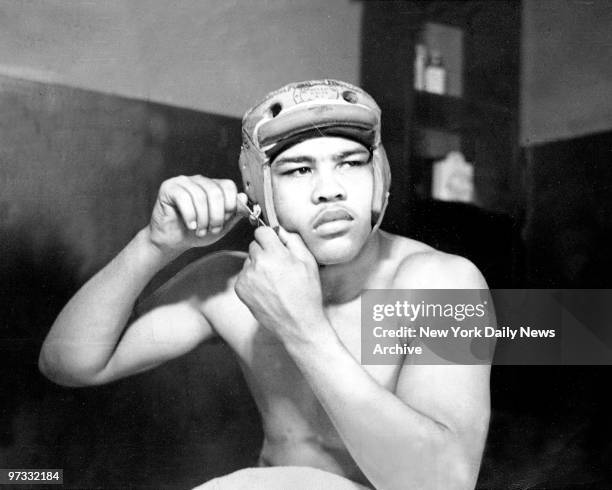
{"points": [[323, 190]]}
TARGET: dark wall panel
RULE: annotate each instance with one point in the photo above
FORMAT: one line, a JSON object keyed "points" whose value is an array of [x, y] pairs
{"points": [[550, 426], [568, 229], [79, 172]]}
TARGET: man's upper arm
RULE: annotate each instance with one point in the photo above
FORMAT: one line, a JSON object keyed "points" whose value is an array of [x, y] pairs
{"points": [[169, 323], [457, 397]]}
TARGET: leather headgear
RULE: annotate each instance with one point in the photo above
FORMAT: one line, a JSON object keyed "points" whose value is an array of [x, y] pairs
{"points": [[303, 110]]}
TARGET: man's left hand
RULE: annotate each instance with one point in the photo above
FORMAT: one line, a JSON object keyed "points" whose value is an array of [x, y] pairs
{"points": [[280, 284]]}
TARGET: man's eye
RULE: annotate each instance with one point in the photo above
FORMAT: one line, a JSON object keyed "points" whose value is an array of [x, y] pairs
{"points": [[297, 171], [354, 163]]}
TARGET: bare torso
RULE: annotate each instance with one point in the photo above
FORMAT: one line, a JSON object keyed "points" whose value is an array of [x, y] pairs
{"points": [[296, 427]]}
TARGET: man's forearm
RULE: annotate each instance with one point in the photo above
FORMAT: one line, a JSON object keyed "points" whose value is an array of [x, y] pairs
{"points": [[85, 333], [394, 445]]}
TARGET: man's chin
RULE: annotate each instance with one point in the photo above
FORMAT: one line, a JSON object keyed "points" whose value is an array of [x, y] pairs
{"points": [[335, 253]]}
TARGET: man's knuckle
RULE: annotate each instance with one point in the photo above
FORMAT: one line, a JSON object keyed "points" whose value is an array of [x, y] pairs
{"points": [[231, 185], [232, 190], [167, 185], [181, 179], [201, 181]]}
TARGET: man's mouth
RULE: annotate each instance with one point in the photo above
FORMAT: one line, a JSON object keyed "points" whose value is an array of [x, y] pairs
{"points": [[330, 216]]}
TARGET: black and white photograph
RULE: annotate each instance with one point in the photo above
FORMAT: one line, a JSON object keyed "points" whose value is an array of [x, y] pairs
{"points": [[306, 244]]}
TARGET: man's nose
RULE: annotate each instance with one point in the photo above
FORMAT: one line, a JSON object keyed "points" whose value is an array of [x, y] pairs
{"points": [[327, 187]]}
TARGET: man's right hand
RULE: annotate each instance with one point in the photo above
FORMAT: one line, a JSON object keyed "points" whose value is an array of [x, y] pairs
{"points": [[192, 212], [88, 343]]}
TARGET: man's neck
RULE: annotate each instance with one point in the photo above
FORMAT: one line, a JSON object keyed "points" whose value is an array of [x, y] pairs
{"points": [[341, 283]]}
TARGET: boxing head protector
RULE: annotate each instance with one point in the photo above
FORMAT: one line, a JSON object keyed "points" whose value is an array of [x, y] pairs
{"points": [[303, 110]]}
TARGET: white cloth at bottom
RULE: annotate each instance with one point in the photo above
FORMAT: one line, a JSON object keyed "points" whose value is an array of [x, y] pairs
{"points": [[281, 478]]}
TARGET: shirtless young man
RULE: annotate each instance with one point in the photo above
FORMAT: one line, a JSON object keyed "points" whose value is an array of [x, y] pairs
{"points": [[313, 160]]}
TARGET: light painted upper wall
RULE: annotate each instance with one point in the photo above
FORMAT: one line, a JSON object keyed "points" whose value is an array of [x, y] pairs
{"points": [[566, 69], [213, 55]]}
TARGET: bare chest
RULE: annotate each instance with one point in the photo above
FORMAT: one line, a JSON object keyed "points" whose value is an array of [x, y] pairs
{"points": [[297, 429], [286, 401]]}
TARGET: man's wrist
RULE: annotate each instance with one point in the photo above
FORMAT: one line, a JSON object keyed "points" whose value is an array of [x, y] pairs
{"points": [[153, 251], [314, 330]]}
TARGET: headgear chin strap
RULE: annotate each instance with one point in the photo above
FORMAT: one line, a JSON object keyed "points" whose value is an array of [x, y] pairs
{"points": [[303, 110]]}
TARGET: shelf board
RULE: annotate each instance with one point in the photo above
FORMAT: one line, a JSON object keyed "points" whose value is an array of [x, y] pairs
{"points": [[454, 114]]}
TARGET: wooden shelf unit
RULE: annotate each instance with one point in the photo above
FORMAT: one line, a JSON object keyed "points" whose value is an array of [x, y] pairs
{"points": [[484, 117]]}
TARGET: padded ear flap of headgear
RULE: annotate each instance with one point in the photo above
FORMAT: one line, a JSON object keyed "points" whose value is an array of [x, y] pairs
{"points": [[256, 179], [382, 183], [247, 163]]}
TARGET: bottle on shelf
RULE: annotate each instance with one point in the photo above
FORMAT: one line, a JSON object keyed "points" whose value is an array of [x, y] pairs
{"points": [[435, 74], [453, 179]]}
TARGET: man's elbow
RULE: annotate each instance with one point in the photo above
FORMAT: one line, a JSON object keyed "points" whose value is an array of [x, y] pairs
{"points": [[463, 458], [461, 474], [443, 463], [53, 367]]}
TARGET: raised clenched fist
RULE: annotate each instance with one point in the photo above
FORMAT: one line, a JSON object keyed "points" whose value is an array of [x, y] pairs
{"points": [[194, 211]]}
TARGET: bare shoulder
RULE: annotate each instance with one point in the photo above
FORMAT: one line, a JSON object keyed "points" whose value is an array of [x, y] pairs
{"points": [[420, 266], [207, 277]]}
